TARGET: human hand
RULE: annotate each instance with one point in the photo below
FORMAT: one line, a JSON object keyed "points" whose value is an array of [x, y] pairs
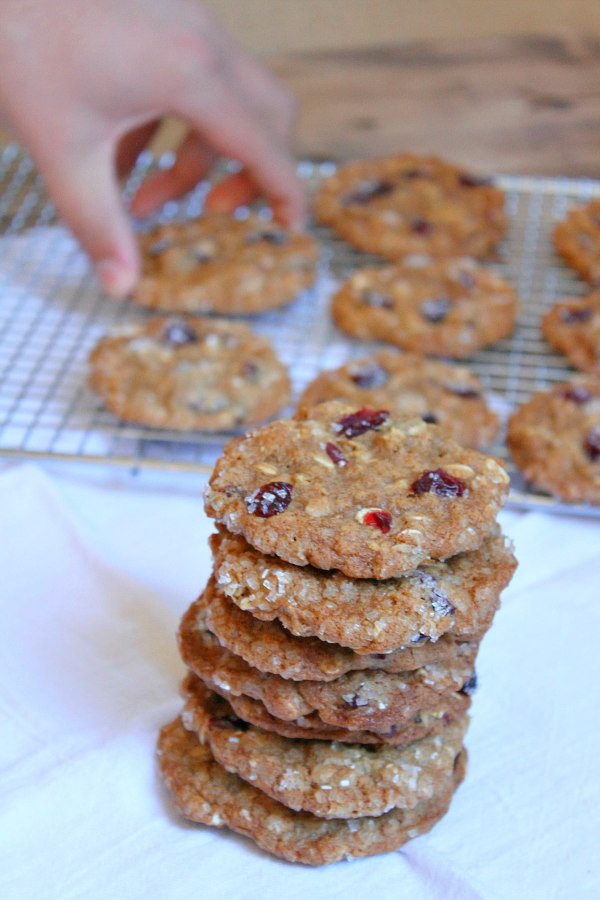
{"points": [[83, 85]]}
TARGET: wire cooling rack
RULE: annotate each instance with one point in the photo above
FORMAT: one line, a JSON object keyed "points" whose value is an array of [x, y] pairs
{"points": [[52, 314]]}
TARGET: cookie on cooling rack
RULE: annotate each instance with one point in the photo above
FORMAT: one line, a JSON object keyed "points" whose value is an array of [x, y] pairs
{"points": [[554, 439], [573, 328], [224, 265], [189, 373], [411, 385], [204, 791], [437, 307], [411, 204], [577, 240]]}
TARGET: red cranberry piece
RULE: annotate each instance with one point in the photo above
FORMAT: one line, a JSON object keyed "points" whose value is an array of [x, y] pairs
{"points": [[438, 482], [576, 314], [378, 655], [370, 189], [435, 310], [362, 420], [469, 686], [462, 390], [269, 237], [378, 518], [466, 180], [430, 418], [592, 444], [377, 300], [335, 455], [421, 226], [270, 499], [371, 377], [576, 394], [179, 333]]}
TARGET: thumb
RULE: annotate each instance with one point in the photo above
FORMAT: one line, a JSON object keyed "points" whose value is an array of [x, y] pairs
{"points": [[86, 194]]}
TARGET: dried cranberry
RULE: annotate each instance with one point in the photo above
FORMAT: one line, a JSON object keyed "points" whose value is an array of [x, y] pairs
{"points": [[377, 300], [437, 597], [470, 181], [378, 518], [378, 655], [269, 237], [576, 314], [469, 686], [270, 499], [592, 444], [179, 333], [435, 310], [369, 190], [430, 418], [371, 377], [362, 420], [462, 390], [575, 394], [421, 226], [438, 482], [335, 455]]}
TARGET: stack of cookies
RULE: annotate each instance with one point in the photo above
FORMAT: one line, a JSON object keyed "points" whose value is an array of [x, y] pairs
{"points": [[357, 565]]}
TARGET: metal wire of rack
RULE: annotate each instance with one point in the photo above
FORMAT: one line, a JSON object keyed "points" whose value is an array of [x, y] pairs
{"points": [[52, 313]]}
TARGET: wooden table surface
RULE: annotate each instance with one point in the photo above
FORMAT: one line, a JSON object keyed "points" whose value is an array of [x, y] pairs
{"points": [[518, 104], [526, 105]]}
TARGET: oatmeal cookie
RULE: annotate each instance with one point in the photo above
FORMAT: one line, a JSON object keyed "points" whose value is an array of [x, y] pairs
{"points": [[409, 204], [459, 596], [554, 439], [356, 490], [577, 240], [269, 647], [329, 779], [437, 307], [411, 385], [189, 373], [573, 328], [204, 792], [433, 720], [224, 265], [371, 700]]}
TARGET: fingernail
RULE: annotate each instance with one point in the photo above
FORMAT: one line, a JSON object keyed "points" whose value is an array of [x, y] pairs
{"points": [[115, 278]]}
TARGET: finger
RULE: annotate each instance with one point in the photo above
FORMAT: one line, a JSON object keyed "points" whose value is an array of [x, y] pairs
{"points": [[227, 126], [131, 145], [86, 193], [234, 191], [194, 160]]}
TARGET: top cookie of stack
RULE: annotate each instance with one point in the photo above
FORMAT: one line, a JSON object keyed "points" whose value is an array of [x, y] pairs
{"points": [[357, 491]]}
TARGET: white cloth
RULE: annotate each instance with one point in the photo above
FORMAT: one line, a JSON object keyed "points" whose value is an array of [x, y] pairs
{"points": [[93, 582]]}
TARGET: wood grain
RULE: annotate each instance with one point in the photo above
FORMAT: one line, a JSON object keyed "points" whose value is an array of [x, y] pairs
{"points": [[512, 104]]}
